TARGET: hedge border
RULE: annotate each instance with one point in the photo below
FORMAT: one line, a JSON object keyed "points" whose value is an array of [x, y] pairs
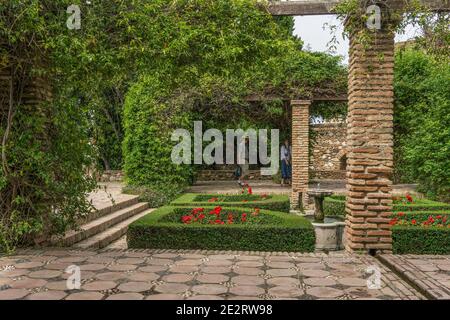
{"points": [[294, 234], [333, 206], [277, 202], [420, 240]]}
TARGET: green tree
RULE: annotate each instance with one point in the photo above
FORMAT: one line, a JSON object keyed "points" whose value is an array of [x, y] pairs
{"points": [[422, 122]]}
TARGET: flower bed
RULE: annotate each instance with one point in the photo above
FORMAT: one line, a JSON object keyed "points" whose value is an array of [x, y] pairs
{"points": [[419, 226], [269, 202], [231, 228], [421, 232], [335, 205]]}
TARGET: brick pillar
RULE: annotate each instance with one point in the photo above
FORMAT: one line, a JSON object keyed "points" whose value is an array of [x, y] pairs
{"points": [[370, 143], [300, 152]]}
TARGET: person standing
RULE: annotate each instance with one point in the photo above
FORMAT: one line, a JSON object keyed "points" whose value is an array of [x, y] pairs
{"points": [[243, 155], [285, 156]]}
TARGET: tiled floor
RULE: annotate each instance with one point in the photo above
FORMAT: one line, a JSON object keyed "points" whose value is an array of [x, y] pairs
{"points": [[159, 274]]}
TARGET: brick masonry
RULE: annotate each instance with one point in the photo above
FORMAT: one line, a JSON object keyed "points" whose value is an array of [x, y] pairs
{"points": [[300, 152], [370, 144]]}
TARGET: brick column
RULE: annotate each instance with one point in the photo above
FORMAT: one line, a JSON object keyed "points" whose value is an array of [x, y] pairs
{"points": [[370, 143], [300, 152]]}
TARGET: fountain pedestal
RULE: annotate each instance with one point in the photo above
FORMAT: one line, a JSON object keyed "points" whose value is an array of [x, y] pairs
{"points": [[329, 230]]}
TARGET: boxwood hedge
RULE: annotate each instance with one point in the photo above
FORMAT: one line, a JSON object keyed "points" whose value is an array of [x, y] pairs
{"points": [[286, 233], [335, 205], [419, 240], [274, 202]]}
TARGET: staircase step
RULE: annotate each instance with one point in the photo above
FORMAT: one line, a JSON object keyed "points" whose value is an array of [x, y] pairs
{"points": [[101, 224], [102, 210], [108, 236]]}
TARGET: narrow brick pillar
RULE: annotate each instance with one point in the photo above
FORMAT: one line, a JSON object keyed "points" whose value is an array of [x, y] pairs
{"points": [[370, 143], [300, 152]]}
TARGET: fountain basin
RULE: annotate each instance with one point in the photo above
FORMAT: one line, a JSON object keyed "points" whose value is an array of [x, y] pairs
{"points": [[329, 233]]}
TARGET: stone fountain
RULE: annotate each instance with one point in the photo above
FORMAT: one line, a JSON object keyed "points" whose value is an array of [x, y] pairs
{"points": [[329, 230]]}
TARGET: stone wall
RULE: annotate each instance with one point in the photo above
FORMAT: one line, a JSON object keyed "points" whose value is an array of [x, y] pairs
{"points": [[328, 156], [111, 176]]}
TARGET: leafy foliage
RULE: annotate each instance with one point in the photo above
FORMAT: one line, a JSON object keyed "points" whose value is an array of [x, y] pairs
{"points": [[422, 122], [414, 240], [213, 56], [45, 146], [335, 205]]}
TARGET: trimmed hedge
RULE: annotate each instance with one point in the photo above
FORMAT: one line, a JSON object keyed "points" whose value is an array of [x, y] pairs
{"points": [[421, 215], [335, 206], [275, 202], [286, 233], [417, 240]]}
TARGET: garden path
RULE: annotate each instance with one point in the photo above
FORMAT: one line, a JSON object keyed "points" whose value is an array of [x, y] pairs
{"points": [[180, 274]]}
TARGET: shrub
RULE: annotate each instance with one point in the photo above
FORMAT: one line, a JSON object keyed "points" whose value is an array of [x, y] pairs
{"points": [[155, 196], [335, 205], [422, 121], [286, 233], [149, 121], [420, 240], [422, 232], [272, 202]]}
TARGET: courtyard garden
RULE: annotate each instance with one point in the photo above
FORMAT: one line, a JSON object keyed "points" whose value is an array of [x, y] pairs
{"points": [[116, 182]]}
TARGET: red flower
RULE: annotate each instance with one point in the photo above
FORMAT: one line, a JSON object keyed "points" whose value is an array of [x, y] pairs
{"points": [[186, 219], [195, 211], [401, 214], [201, 216], [218, 221], [409, 198], [244, 217], [413, 221], [393, 221], [249, 190], [216, 211], [438, 217]]}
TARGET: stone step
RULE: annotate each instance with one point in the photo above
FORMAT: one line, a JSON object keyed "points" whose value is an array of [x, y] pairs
{"points": [[108, 236], [100, 224], [106, 208]]}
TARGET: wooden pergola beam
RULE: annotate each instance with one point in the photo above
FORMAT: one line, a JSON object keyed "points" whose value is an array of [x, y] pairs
{"points": [[315, 98], [324, 7]]}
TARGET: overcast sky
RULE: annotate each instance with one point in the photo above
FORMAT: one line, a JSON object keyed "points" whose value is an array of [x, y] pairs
{"points": [[316, 35]]}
